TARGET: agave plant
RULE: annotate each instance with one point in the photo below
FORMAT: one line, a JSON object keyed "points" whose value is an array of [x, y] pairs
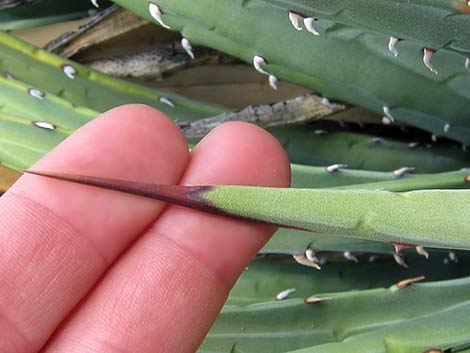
{"points": [[372, 253]]}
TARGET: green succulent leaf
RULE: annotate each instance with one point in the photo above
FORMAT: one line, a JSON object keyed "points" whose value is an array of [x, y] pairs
{"points": [[343, 63], [393, 319], [434, 24], [28, 14], [431, 218], [84, 87]]}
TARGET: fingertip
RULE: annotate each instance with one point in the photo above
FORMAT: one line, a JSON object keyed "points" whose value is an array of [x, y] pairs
{"points": [[242, 153], [133, 142]]}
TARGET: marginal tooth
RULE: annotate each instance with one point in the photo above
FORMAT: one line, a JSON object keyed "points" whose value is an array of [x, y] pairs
{"points": [[464, 148], [428, 145], [285, 293], [407, 282], [302, 260], [8, 75], [167, 101], [36, 93], [373, 258], [467, 63], [392, 45], [413, 144], [388, 118], [310, 255], [402, 171], [69, 71], [308, 22], [446, 261], [324, 260], [335, 168], [320, 132], [315, 299], [453, 257], [350, 257], [427, 57], [295, 19], [399, 260], [95, 3], [273, 80], [258, 61], [377, 140], [188, 48], [446, 127], [434, 138], [44, 125], [422, 251], [157, 13]]}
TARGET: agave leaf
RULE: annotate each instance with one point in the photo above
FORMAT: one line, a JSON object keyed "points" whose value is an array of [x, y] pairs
{"points": [[431, 218], [88, 88], [409, 20], [28, 14], [323, 145], [267, 276], [304, 176], [342, 63], [442, 331], [291, 241], [394, 320]]}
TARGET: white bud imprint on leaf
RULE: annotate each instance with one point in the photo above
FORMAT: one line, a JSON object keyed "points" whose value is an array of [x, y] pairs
{"points": [[273, 80], [402, 171], [309, 21], [392, 45], [44, 125], [167, 101], [350, 257], [285, 293], [258, 61], [69, 71], [188, 48], [36, 93], [157, 13], [295, 19], [335, 168], [427, 57], [388, 118]]}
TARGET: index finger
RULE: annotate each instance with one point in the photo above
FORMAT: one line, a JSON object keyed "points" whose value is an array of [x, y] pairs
{"points": [[57, 239]]}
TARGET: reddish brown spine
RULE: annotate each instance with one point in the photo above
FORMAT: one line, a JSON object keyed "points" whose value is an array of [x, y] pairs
{"points": [[186, 196]]}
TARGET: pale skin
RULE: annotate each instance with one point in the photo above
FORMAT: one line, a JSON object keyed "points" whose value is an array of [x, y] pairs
{"points": [[85, 270]]}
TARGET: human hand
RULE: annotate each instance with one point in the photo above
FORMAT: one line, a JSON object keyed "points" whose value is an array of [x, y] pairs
{"points": [[84, 269]]}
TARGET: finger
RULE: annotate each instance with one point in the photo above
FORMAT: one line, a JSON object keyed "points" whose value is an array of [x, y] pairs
{"points": [[57, 239], [166, 292]]}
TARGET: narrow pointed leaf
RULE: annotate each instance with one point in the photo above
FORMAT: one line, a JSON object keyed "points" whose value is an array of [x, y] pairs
{"points": [[433, 218]]}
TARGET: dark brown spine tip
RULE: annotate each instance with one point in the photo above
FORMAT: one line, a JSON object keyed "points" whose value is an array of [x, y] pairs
{"points": [[187, 196]]}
